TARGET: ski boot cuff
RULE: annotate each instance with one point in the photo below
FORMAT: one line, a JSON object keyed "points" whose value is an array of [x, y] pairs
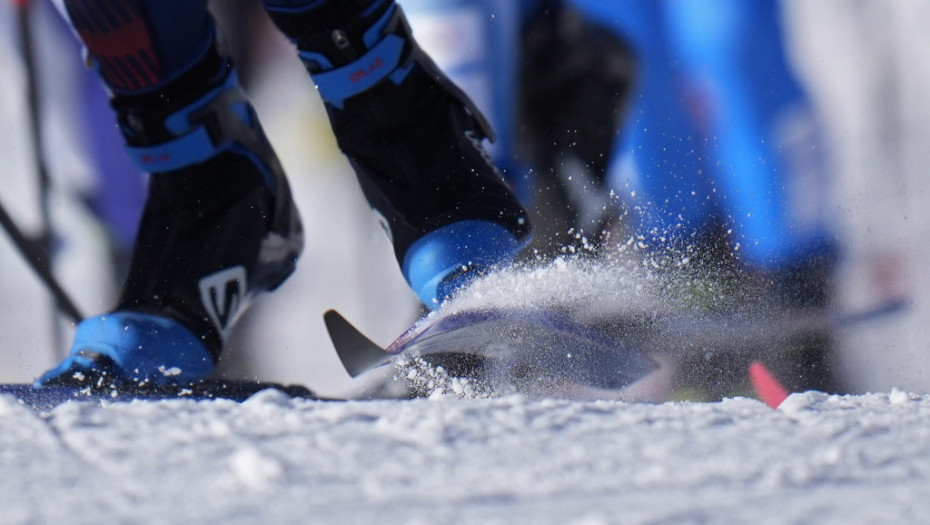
{"points": [[222, 120], [446, 259], [192, 141], [350, 47], [368, 45], [193, 119], [135, 347]]}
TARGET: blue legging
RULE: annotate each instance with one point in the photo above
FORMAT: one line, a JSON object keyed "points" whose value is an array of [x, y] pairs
{"points": [[140, 45], [701, 141]]}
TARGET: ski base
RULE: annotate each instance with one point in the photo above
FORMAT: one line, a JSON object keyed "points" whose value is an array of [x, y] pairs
{"points": [[48, 397]]}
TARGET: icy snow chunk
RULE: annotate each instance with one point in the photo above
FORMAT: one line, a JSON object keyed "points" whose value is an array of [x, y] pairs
{"points": [[797, 403], [832, 456], [169, 372], [268, 397], [255, 470], [9, 406], [435, 382], [898, 397]]}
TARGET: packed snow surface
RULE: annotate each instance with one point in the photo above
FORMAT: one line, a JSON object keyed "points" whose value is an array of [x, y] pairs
{"points": [[816, 459]]}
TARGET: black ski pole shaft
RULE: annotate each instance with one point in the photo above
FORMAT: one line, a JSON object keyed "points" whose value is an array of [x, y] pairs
{"points": [[24, 21], [37, 259], [36, 252]]}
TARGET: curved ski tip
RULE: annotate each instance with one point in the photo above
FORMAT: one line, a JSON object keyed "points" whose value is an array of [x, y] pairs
{"points": [[357, 353]]}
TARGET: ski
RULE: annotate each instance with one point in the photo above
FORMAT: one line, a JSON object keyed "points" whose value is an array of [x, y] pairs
{"points": [[609, 351], [536, 345], [48, 397]]}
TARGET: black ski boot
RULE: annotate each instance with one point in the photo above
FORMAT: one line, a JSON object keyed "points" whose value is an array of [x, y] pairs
{"points": [[219, 227], [414, 140]]}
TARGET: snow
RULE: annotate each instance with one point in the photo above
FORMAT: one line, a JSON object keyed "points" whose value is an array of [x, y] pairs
{"points": [[818, 458]]}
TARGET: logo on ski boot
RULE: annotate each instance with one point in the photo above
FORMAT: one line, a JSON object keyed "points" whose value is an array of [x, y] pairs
{"points": [[223, 296], [475, 141]]}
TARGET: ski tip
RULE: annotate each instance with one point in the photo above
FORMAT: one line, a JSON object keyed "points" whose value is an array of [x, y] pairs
{"points": [[357, 353], [769, 390]]}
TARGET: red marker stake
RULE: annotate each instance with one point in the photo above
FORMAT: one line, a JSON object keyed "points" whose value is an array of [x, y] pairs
{"points": [[769, 390]]}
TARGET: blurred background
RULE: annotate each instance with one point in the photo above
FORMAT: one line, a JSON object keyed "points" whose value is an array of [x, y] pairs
{"points": [[795, 147]]}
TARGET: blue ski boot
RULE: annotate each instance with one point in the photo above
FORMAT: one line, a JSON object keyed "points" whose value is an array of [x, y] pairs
{"points": [[413, 138], [219, 227]]}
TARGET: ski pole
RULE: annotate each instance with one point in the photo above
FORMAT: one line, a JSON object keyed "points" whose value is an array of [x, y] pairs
{"points": [[24, 9], [36, 253], [36, 258]]}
